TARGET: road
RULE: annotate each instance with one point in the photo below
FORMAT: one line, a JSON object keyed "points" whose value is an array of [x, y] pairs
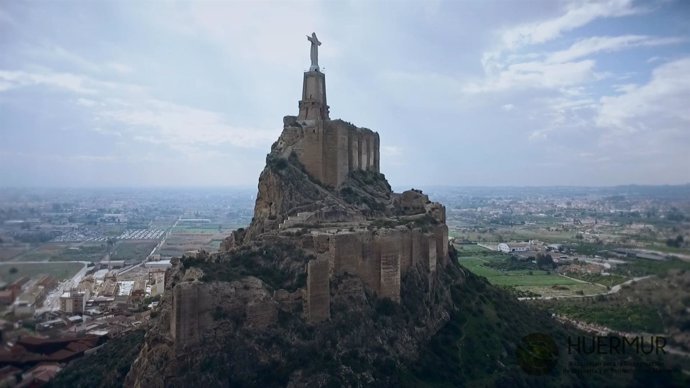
{"points": [[52, 301], [165, 237], [153, 251]]}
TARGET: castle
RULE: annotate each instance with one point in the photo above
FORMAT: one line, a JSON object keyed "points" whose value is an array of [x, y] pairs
{"points": [[342, 240], [328, 149], [321, 191]]}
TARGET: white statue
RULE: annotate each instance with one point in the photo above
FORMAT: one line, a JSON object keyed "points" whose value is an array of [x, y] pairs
{"points": [[314, 54]]}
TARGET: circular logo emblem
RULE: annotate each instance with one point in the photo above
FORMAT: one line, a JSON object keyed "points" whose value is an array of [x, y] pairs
{"points": [[537, 354]]}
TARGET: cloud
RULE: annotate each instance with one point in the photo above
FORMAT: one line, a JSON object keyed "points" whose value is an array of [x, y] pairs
{"points": [[76, 83], [120, 67], [182, 127], [132, 110], [509, 64], [589, 46], [260, 26], [660, 104], [508, 107], [576, 15], [67, 81], [535, 75]]}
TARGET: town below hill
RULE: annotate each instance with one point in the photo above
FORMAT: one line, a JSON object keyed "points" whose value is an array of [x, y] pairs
{"points": [[93, 261]]}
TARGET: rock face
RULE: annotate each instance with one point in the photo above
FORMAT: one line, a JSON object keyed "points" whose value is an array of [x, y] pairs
{"points": [[330, 253]]}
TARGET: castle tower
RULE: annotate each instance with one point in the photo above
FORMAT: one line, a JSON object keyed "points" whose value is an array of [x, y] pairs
{"points": [[313, 105]]}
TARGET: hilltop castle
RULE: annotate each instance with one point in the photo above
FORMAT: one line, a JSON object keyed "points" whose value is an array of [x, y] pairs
{"points": [[321, 192], [329, 245], [348, 218], [328, 149]]}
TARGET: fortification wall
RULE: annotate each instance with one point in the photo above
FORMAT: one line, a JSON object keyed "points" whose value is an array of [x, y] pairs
{"points": [[194, 305], [330, 150], [336, 154], [431, 257], [318, 292], [379, 259], [441, 236], [369, 266], [406, 236], [420, 249], [310, 150], [187, 307], [345, 252], [377, 152], [388, 249]]}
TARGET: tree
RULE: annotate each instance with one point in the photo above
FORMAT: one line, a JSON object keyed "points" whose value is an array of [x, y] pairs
{"points": [[544, 261]]}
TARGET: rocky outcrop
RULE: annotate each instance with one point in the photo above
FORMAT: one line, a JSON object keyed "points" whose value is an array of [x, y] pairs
{"points": [[329, 243]]}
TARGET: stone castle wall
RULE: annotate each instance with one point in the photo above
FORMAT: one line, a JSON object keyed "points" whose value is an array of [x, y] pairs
{"points": [[317, 301], [197, 305], [330, 150], [379, 258]]}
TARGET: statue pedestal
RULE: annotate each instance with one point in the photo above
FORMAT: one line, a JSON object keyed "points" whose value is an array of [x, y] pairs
{"points": [[313, 104]]}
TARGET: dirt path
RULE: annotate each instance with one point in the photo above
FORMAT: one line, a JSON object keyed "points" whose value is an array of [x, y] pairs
{"points": [[613, 290]]}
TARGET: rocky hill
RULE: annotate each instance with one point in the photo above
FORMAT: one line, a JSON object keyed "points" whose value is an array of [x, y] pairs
{"points": [[338, 281]]}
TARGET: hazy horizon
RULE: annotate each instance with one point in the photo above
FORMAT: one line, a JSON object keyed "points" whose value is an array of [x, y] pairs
{"points": [[463, 94]]}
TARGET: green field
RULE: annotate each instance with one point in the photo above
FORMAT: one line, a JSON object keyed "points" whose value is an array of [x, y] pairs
{"points": [[643, 267], [632, 318], [132, 250], [584, 289], [60, 271], [211, 229], [64, 252], [513, 278], [178, 243]]}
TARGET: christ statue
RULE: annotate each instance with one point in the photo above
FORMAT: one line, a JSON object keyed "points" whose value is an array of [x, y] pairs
{"points": [[314, 54]]}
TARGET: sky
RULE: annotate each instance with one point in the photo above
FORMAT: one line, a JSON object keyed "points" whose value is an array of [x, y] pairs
{"points": [[462, 93]]}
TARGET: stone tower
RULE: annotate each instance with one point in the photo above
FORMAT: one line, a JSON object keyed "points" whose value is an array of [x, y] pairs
{"points": [[313, 104]]}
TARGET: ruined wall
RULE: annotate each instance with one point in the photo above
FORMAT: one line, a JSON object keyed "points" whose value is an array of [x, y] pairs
{"points": [[406, 236], [345, 253], [377, 152], [347, 148], [441, 236], [420, 248], [309, 150], [431, 257], [336, 154], [388, 247], [318, 292], [186, 312], [194, 305], [331, 149], [261, 313], [380, 259], [369, 266]]}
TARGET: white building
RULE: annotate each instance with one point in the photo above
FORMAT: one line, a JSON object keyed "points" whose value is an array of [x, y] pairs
{"points": [[514, 247]]}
